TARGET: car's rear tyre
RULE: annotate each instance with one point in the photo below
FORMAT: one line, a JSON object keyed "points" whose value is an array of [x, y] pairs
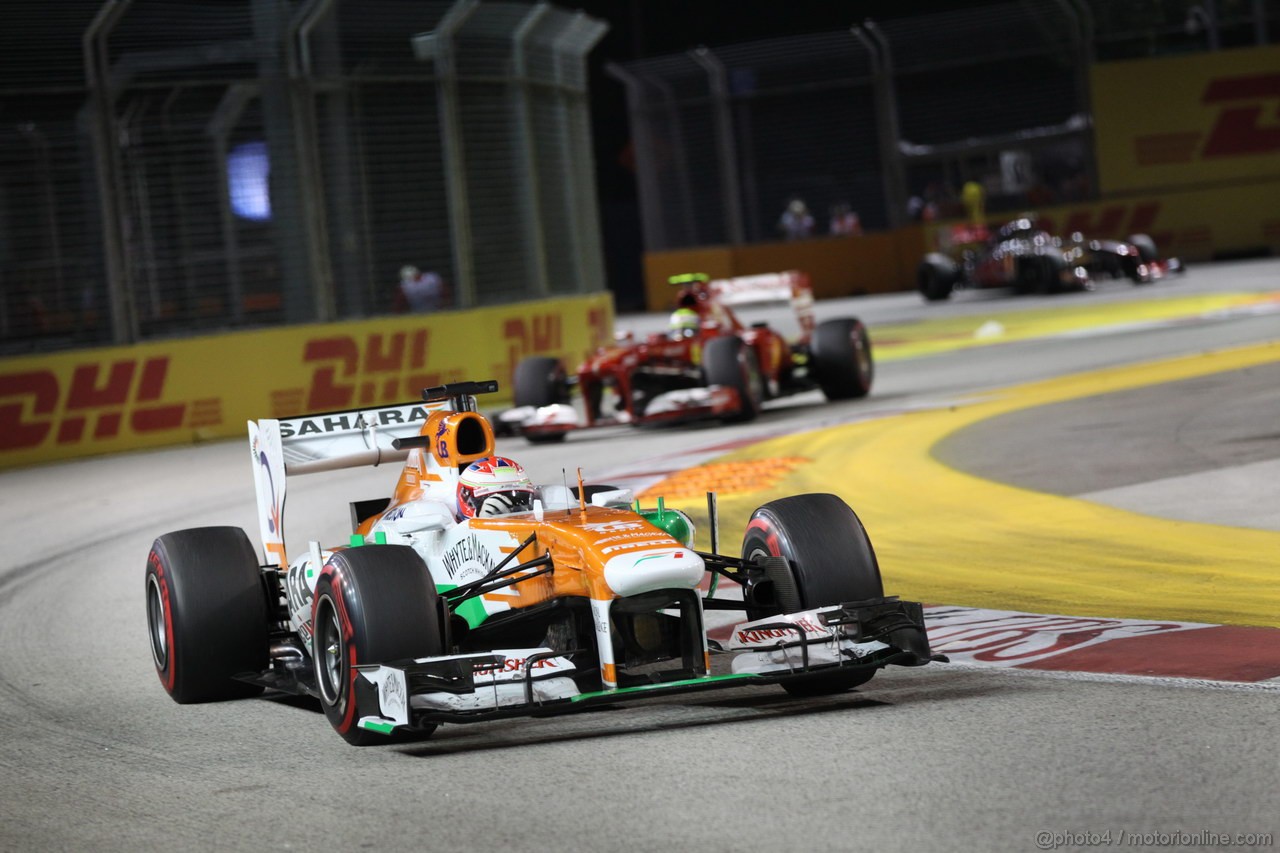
{"points": [[206, 613], [1034, 275], [545, 437], [831, 562], [1145, 245], [729, 361], [540, 381], [936, 277], [841, 358], [372, 604]]}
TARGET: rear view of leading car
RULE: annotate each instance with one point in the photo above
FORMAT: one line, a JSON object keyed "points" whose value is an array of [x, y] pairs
{"points": [[709, 364]]}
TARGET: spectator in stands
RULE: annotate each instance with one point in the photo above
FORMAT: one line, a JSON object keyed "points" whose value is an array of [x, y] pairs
{"points": [[419, 291], [845, 221], [796, 222]]}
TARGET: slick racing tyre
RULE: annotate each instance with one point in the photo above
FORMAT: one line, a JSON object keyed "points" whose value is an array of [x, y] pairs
{"points": [[206, 613], [372, 604], [831, 562], [1035, 275], [842, 364], [936, 277], [540, 381], [729, 361]]}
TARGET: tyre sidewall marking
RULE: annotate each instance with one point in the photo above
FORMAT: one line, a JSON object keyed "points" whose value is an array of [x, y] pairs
{"points": [[861, 356], [168, 672], [767, 532], [347, 680]]}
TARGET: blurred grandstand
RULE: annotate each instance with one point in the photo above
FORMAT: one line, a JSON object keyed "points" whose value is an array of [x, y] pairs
{"points": [[173, 166]]}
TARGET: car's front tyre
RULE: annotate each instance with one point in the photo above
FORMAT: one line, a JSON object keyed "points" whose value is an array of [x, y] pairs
{"points": [[372, 604], [831, 561], [936, 277]]}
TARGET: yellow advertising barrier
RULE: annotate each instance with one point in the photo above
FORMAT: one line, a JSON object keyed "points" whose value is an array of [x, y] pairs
{"points": [[64, 405], [1206, 118]]}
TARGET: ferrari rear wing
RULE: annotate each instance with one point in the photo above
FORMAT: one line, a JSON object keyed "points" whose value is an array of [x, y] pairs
{"points": [[792, 286]]}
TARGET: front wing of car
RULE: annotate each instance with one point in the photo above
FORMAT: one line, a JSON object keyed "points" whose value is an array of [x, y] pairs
{"points": [[539, 681], [685, 404]]}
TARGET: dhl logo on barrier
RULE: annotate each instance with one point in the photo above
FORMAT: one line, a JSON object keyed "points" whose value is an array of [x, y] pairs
{"points": [[358, 370], [351, 370], [1109, 220], [526, 335], [97, 402], [543, 333], [1217, 111], [75, 404], [1240, 127]]}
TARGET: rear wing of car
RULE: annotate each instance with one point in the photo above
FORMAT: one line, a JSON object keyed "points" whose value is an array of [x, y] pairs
{"points": [[964, 234], [332, 441], [791, 286]]}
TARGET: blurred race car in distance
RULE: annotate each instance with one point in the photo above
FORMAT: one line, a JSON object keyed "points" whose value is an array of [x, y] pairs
{"points": [[1030, 260], [713, 365], [472, 594]]}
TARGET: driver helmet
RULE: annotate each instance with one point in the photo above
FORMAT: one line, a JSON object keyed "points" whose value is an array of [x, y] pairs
{"points": [[494, 485], [684, 322]]}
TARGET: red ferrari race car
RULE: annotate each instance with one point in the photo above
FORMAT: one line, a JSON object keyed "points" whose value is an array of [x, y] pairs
{"points": [[1030, 260], [707, 365]]}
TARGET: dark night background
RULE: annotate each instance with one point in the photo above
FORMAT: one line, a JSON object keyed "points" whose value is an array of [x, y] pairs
{"points": [[644, 28], [41, 65]]}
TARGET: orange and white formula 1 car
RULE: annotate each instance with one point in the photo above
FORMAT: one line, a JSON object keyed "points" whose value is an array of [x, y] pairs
{"points": [[471, 594]]}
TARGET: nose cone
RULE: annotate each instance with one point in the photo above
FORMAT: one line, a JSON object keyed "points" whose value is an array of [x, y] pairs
{"points": [[645, 571]]}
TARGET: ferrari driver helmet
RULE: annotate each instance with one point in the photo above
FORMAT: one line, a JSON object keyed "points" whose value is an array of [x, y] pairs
{"points": [[683, 322], [494, 485]]}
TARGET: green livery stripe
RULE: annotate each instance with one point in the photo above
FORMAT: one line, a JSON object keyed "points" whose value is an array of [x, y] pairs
{"points": [[472, 610], [374, 726], [647, 688]]}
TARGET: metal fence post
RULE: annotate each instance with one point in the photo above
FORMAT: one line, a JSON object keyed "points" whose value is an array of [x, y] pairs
{"points": [[438, 45], [889, 134], [124, 318], [732, 197], [219, 129], [652, 222], [581, 34], [680, 154], [531, 197], [1082, 26]]}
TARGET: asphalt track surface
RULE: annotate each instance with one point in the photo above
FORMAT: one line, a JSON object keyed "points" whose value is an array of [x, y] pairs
{"points": [[946, 757]]}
